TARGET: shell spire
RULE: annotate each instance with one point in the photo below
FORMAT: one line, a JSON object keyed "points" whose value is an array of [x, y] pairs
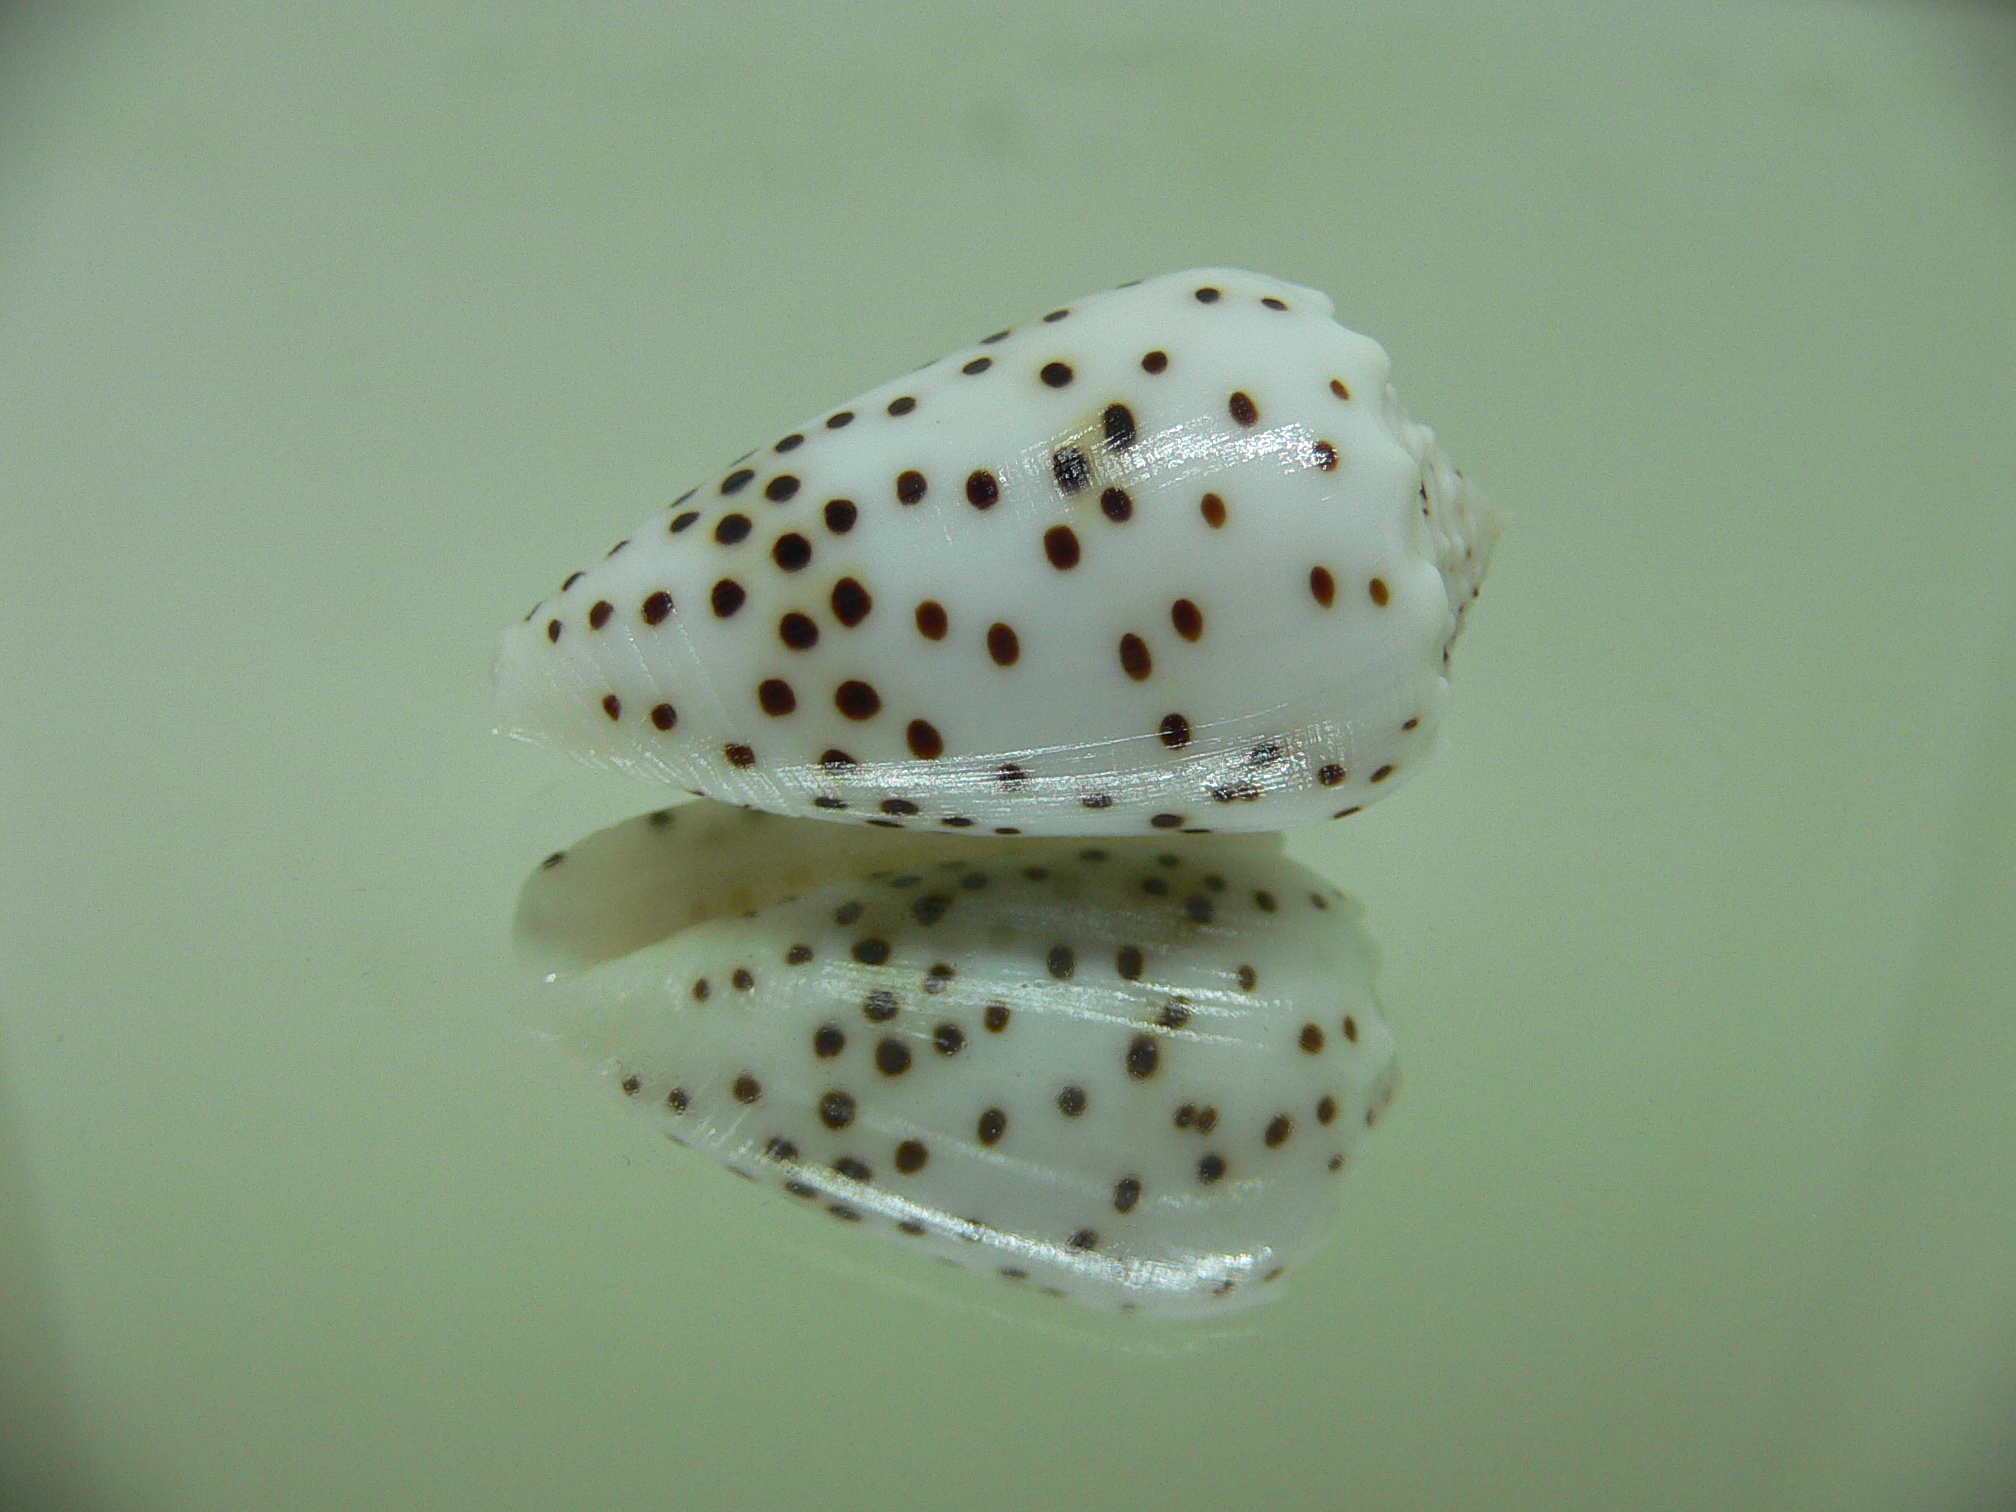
{"points": [[1463, 526]]}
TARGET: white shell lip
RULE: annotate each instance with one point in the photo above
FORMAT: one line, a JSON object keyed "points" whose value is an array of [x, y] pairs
{"points": [[1284, 711]]}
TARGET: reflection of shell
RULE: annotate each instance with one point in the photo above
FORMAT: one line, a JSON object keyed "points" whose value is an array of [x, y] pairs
{"points": [[1172, 557], [1129, 1072]]}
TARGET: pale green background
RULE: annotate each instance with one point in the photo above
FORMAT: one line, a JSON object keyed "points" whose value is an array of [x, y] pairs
{"points": [[330, 336]]}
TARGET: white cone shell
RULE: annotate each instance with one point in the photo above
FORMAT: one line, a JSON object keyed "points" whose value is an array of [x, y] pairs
{"points": [[1260, 642]]}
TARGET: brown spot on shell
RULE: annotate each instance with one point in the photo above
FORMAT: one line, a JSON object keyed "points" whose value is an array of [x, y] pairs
{"points": [[791, 551], [1134, 658], [892, 1057], [851, 602], [1060, 544]]}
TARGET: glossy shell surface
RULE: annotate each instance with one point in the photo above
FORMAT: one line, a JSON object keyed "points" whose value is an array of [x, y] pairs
{"points": [[1169, 557]]}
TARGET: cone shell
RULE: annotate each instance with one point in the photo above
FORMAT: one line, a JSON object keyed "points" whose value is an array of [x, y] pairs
{"points": [[1170, 557]]}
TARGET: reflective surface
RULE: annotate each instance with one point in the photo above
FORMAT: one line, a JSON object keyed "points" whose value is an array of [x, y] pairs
{"points": [[322, 338], [1128, 1074]]}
